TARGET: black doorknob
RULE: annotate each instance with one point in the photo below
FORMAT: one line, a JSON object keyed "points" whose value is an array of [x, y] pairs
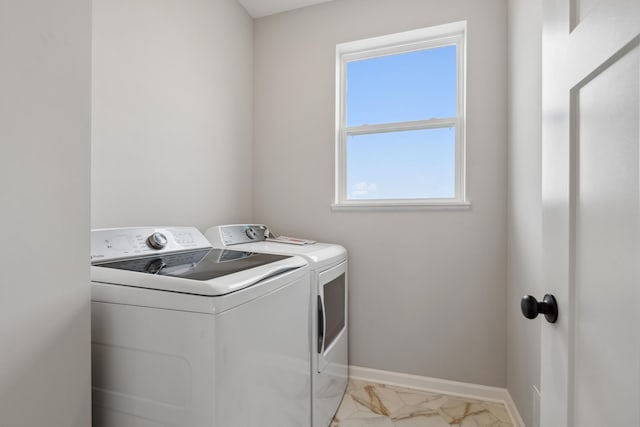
{"points": [[531, 307]]}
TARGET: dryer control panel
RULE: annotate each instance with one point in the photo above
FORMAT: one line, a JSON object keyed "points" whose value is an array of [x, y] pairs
{"points": [[234, 234], [110, 244]]}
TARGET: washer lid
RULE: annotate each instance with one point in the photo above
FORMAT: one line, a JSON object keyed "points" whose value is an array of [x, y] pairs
{"points": [[211, 273], [201, 265]]}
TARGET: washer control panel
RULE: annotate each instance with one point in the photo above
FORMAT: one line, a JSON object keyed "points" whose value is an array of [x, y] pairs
{"points": [[111, 244], [234, 234]]}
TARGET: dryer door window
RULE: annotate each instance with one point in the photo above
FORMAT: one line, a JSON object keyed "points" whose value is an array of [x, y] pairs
{"points": [[334, 309], [332, 316]]}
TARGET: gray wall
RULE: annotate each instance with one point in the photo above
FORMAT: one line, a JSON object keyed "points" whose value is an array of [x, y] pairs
{"points": [[172, 112], [428, 288], [45, 97], [524, 205]]}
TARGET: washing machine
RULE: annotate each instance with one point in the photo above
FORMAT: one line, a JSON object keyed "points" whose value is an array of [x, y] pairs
{"points": [[186, 335], [328, 306]]}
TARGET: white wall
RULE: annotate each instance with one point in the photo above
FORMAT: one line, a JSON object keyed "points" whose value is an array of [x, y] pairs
{"points": [[45, 92], [172, 112], [524, 205], [428, 288]]}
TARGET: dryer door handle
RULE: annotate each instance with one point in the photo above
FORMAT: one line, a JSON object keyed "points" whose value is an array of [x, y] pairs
{"points": [[321, 325]]}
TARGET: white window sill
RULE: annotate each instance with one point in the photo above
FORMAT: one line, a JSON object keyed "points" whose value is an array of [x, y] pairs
{"points": [[400, 206]]}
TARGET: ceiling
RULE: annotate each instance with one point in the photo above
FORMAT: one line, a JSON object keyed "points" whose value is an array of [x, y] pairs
{"points": [[260, 8]]}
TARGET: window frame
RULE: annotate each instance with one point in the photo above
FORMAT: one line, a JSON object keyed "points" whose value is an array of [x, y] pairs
{"points": [[406, 42]]}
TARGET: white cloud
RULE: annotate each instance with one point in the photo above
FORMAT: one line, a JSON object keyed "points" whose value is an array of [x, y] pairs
{"points": [[363, 188]]}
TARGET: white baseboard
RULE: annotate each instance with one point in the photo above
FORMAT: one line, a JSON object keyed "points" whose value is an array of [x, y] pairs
{"points": [[473, 391]]}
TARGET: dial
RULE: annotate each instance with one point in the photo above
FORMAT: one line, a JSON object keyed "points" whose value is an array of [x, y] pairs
{"points": [[251, 233], [157, 240]]}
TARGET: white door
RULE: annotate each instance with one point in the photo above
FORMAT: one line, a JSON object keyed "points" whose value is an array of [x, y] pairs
{"points": [[591, 213]]}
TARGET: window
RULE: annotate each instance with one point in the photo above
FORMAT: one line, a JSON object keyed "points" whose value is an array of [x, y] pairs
{"points": [[400, 120]]}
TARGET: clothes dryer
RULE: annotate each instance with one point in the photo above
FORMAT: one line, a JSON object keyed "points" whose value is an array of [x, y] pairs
{"points": [[328, 307], [187, 335]]}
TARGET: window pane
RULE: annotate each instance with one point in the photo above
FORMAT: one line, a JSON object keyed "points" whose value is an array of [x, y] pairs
{"points": [[403, 87], [417, 164]]}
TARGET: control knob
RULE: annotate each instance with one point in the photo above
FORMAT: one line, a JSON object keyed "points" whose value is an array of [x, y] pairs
{"points": [[251, 233], [157, 240]]}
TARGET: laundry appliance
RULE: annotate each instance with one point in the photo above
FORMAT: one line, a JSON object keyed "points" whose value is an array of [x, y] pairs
{"points": [[328, 306], [191, 336]]}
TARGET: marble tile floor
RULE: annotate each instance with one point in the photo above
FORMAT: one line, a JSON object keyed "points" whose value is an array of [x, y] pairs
{"points": [[379, 405]]}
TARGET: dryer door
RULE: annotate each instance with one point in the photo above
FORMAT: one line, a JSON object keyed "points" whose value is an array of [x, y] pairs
{"points": [[332, 318]]}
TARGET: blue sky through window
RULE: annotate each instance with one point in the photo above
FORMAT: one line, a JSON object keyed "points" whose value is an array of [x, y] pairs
{"points": [[403, 87], [415, 164]]}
